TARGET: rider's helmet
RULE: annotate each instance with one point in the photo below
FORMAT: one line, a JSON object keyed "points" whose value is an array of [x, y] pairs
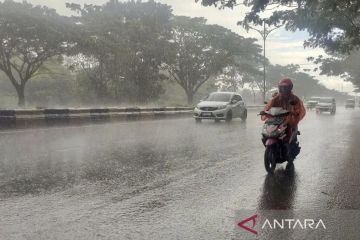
{"points": [[285, 86]]}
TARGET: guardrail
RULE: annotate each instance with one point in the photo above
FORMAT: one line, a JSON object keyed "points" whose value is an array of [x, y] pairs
{"points": [[55, 117], [28, 118]]}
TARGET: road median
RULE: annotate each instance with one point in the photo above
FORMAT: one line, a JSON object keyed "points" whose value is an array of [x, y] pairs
{"points": [[31, 118], [28, 118]]}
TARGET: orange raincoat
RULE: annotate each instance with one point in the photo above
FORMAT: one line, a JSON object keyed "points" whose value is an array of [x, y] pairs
{"points": [[296, 109]]}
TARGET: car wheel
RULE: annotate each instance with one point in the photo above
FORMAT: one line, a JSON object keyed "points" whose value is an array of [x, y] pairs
{"points": [[229, 116], [244, 116]]}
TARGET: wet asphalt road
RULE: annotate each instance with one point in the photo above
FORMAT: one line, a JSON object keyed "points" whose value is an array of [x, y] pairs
{"points": [[168, 179]]}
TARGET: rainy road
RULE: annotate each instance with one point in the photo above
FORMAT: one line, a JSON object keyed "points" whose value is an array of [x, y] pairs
{"points": [[167, 179]]}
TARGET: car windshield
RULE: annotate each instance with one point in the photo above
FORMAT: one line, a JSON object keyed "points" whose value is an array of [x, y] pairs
{"points": [[326, 100], [219, 97]]}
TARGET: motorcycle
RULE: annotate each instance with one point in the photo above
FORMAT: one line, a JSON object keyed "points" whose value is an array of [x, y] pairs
{"points": [[274, 133]]}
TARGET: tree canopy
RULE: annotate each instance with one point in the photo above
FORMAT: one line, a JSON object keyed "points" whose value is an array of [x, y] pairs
{"points": [[342, 65], [203, 51], [118, 53], [120, 47], [304, 84], [29, 36], [332, 24]]}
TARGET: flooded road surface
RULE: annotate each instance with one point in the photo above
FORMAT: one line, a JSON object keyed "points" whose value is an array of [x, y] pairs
{"points": [[168, 179]]}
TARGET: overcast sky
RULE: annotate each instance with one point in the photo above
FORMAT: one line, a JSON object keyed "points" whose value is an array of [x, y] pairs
{"points": [[282, 47]]}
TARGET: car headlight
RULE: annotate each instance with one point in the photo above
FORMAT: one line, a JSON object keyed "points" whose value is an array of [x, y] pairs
{"points": [[222, 107]]}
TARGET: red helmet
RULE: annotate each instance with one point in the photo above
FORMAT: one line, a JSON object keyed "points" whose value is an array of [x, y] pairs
{"points": [[285, 85], [286, 82]]}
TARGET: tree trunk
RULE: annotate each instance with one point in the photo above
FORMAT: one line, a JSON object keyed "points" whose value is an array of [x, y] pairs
{"points": [[190, 97], [21, 95], [234, 87]]}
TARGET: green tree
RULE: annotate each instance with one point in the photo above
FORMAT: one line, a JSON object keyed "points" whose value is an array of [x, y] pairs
{"points": [[342, 65], [202, 51], [332, 24], [123, 46], [304, 84], [29, 36], [235, 77]]}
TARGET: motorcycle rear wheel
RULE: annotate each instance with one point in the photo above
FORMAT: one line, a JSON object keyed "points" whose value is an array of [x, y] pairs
{"points": [[270, 159]]}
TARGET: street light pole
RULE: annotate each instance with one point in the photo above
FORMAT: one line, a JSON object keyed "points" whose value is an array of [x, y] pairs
{"points": [[264, 62], [264, 33]]}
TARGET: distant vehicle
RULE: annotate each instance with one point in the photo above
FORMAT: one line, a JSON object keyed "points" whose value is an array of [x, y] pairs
{"points": [[221, 106], [312, 102], [350, 103], [326, 104]]}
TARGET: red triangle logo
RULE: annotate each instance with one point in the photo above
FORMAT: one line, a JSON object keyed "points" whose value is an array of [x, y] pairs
{"points": [[243, 222]]}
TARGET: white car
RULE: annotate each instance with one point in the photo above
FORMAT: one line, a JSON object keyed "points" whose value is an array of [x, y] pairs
{"points": [[312, 102], [350, 103], [221, 106], [326, 104]]}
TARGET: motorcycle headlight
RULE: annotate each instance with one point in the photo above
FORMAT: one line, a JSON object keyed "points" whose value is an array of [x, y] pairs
{"points": [[222, 107], [272, 133]]}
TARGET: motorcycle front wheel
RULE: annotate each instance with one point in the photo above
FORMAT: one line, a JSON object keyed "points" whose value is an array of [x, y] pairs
{"points": [[270, 159]]}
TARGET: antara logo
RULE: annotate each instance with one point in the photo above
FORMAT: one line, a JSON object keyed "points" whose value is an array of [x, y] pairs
{"points": [[281, 224], [293, 224], [253, 219]]}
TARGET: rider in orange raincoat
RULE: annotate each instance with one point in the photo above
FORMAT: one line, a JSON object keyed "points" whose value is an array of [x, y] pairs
{"points": [[287, 100]]}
